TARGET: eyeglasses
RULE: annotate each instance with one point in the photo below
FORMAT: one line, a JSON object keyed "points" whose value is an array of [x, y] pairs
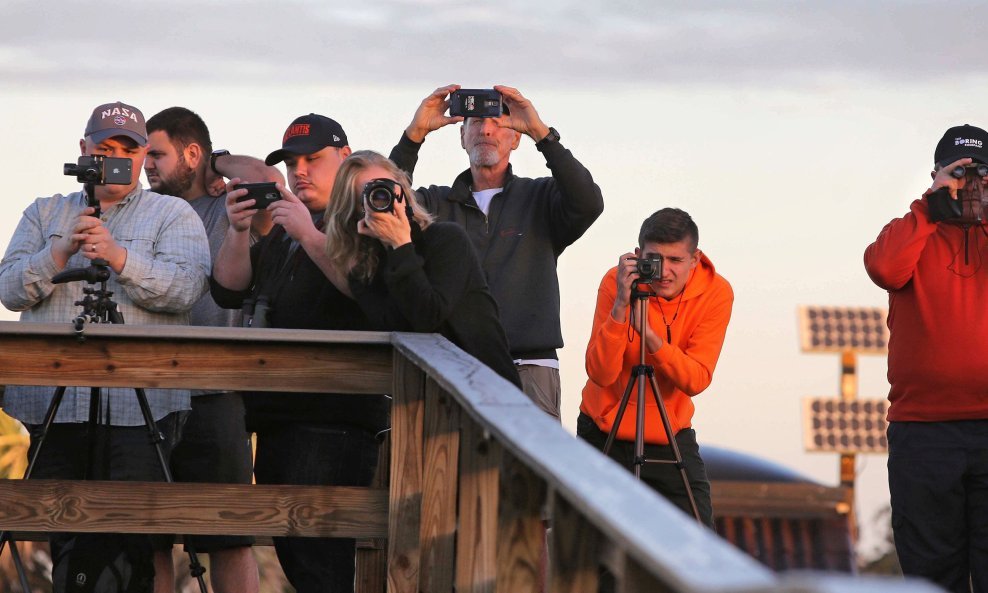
{"points": [[980, 168]]}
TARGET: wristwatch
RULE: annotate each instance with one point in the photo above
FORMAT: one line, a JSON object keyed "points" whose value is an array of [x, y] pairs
{"points": [[215, 155], [551, 138]]}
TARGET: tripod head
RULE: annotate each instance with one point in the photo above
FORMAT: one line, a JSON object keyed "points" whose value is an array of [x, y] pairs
{"points": [[97, 306]]}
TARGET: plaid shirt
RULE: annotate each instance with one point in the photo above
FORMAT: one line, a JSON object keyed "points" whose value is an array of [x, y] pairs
{"points": [[166, 271]]}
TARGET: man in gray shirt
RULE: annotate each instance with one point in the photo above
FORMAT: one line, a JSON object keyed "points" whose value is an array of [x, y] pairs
{"points": [[158, 258], [215, 444]]}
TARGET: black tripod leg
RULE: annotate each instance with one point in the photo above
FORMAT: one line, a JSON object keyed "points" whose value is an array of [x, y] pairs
{"points": [[622, 408], [195, 567], [675, 448], [19, 565]]}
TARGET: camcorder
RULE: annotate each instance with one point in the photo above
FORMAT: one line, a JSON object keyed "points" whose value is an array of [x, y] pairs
{"points": [[379, 195], [475, 103], [648, 268], [264, 194], [100, 170]]}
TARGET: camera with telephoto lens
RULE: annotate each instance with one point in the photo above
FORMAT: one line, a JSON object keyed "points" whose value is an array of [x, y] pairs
{"points": [[648, 268], [100, 170], [380, 196]]}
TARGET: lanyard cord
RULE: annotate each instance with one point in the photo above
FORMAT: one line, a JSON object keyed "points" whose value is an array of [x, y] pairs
{"points": [[668, 324]]}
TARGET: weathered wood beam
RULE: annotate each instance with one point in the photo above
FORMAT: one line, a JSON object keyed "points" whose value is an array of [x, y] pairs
{"points": [[219, 509]]}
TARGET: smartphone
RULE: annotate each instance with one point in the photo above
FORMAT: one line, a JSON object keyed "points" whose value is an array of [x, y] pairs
{"points": [[100, 170], [475, 103], [265, 193]]}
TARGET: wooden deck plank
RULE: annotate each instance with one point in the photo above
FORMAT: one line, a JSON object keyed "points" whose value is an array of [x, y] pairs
{"points": [[158, 507]]}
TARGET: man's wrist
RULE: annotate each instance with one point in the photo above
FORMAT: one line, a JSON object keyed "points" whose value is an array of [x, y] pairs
{"points": [[215, 155], [416, 135], [551, 136]]}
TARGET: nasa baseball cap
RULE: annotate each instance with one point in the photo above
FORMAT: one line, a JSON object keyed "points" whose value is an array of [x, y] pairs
{"points": [[962, 142], [117, 119], [308, 134]]}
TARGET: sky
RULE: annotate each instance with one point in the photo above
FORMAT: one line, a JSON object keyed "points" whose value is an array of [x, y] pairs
{"points": [[792, 132]]}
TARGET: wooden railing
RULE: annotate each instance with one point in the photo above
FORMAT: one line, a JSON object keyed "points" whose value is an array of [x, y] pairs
{"points": [[475, 469]]}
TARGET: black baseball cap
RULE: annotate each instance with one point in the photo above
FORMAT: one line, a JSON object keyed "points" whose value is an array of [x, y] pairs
{"points": [[308, 134], [962, 142]]}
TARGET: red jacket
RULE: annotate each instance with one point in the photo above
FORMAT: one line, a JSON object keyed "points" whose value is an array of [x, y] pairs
{"points": [[683, 368], [938, 316]]}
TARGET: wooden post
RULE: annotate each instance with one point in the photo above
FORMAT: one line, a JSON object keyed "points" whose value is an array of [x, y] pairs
{"points": [[404, 509], [521, 533], [573, 563], [476, 542], [442, 453]]}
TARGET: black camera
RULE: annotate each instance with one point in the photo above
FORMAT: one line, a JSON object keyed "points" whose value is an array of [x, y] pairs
{"points": [[648, 268], [960, 171], [263, 194], [100, 170], [380, 196], [475, 103]]}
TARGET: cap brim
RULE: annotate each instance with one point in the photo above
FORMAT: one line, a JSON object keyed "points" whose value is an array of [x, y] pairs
{"points": [[102, 135], [301, 148], [979, 155]]}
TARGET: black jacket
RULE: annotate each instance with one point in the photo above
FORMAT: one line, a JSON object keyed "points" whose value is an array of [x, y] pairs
{"points": [[300, 296], [434, 284], [531, 222]]}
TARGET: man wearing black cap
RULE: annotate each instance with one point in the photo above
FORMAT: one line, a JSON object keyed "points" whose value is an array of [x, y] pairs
{"points": [[158, 258], [309, 439], [518, 226], [931, 263]]}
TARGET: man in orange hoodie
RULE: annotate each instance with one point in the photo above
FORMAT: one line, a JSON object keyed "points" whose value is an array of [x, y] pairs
{"points": [[687, 321]]}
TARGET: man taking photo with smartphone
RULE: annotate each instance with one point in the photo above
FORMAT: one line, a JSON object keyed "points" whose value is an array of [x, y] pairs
{"points": [[518, 226]]}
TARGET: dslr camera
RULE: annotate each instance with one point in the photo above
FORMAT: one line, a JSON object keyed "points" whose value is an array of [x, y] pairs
{"points": [[380, 196], [648, 268], [475, 103], [100, 170]]}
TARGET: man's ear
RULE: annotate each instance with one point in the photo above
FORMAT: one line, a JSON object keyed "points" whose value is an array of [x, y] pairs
{"points": [[517, 141], [463, 129], [82, 146], [346, 151], [638, 252], [194, 154], [933, 174]]}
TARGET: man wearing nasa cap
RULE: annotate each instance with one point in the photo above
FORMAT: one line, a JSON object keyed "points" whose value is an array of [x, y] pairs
{"points": [[931, 262], [158, 258], [308, 439]]}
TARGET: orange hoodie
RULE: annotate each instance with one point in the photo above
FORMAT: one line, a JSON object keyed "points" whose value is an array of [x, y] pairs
{"points": [[683, 368]]}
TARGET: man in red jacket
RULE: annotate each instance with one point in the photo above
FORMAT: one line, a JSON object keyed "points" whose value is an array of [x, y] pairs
{"points": [[687, 321], [931, 263]]}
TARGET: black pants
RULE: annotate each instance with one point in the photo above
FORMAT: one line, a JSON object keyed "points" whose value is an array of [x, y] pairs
{"points": [[938, 479], [316, 455], [664, 478]]}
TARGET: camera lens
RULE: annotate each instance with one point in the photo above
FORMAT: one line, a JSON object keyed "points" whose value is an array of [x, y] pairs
{"points": [[380, 200], [379, 195]]}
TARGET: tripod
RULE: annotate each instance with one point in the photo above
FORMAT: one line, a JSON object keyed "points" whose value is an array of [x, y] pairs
{"points": [[98, 307], [640, 293]]}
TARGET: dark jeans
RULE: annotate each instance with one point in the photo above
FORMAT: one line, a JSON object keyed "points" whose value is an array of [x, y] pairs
{"points": [[123, 453], [664, 478], [316, 455], [938, 479], [215, 448]]}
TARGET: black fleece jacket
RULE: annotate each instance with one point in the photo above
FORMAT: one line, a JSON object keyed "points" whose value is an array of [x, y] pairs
{"points": [[531, 222], [434, 284]]}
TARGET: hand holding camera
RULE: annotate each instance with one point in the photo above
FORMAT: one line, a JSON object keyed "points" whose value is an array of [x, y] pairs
{"points": [[429, 116], [385, 215]]}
